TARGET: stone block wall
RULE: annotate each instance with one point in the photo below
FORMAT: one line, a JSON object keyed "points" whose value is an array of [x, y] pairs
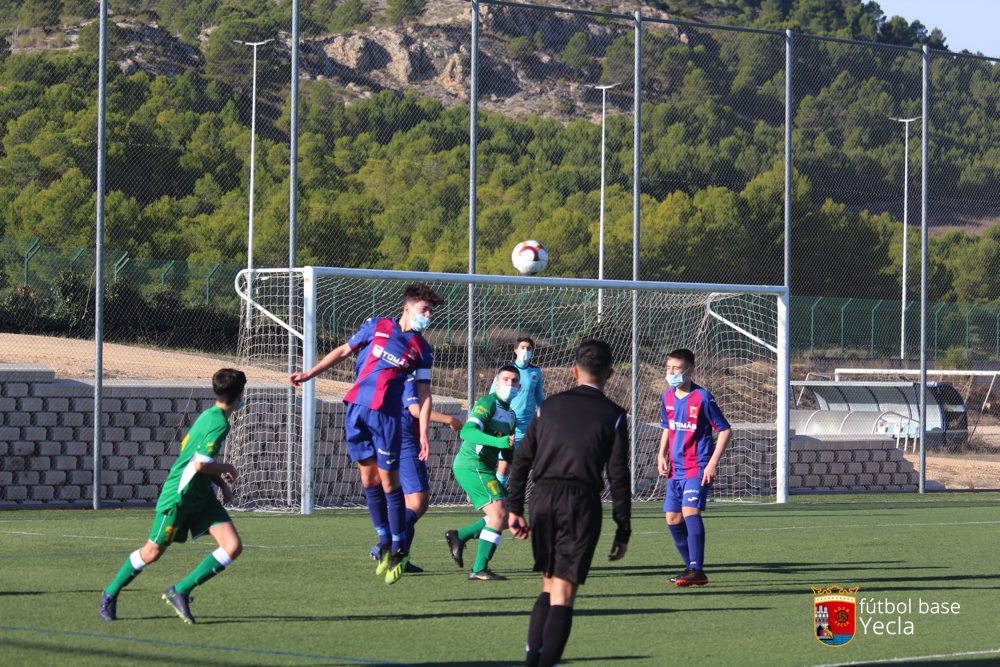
{"points": [[859, 464]]}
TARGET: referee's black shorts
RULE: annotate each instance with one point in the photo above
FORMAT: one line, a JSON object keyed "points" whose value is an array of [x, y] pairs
{"points": [[565, 520]]}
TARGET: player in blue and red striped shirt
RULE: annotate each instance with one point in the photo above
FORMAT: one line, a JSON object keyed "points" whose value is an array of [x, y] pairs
{"points": [[689, 456], [390, 349]]}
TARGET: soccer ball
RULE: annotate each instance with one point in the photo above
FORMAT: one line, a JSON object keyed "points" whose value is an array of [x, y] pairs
{"points": [[529, 257]]}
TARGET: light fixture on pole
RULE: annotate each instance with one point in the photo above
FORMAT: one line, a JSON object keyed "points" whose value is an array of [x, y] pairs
{"points": [[253, 140], [906, 210], [600, 258]]}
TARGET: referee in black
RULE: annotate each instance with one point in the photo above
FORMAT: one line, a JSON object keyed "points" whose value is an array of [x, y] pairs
{"points": [[573, 437]]}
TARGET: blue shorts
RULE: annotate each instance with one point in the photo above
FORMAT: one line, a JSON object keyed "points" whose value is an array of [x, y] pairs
{"points": [[373, 433], [412, 471], [685, 492]]}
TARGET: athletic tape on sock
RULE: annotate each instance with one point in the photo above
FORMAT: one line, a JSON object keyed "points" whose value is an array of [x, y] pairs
{"points": [[136, 559], [221, 556], [490, 536]]}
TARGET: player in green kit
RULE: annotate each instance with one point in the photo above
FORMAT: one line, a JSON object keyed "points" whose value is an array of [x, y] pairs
{"points": [[188, 504], [487, 435]]}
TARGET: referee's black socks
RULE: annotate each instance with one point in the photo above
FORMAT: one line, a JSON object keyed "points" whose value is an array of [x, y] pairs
{"points": [[557, 627], [548, 632], [536, 630]]}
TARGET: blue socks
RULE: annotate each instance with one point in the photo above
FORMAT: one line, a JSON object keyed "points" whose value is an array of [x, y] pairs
{"points": [[680, 533], [378, 511], [411, 523], [503, 480], [696, 541], [396, 506]]}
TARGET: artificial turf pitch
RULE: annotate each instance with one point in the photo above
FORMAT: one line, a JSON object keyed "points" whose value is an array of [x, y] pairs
{"points": [[304, 591]]}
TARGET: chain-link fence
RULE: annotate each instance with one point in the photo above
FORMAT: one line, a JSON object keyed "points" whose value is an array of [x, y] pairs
{"points": [[383, 169]]}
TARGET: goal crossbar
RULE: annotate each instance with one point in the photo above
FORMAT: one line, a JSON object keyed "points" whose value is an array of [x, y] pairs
{"points": [[246, 278]]}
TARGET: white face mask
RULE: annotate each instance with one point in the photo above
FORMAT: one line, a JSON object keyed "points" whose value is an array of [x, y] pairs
{"points": [[506, 393], [523, 356], [675, 380]]}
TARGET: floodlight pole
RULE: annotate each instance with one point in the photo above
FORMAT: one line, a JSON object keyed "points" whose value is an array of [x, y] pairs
{"points": [[906, 210], [600, 259], [253, 140]]}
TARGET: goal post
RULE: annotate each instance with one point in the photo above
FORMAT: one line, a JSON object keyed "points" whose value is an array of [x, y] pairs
{"points": [[738, 332]]}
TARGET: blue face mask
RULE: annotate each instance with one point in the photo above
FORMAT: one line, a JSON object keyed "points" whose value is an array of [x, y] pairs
{"points": [[506, 393], [523, 357], [420, 322], [675, 380]]}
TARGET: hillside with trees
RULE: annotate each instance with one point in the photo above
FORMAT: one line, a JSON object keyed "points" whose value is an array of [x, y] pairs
{"points": [[384, 152]]}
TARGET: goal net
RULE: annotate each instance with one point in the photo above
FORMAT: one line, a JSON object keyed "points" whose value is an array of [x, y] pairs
{"points": [[289, 445]]}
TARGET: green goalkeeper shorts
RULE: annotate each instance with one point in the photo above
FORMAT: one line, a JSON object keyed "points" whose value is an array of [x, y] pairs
{"points": [[174, 524], [481, 487]]}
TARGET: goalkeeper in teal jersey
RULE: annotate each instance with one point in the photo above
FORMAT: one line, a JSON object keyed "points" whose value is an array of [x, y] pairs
{"points": [[529, 397], [188, 503], [487, 435]]}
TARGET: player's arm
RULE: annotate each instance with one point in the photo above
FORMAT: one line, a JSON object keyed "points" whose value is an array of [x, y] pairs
{"points": [[333, 358], [662, 461], [720, 424], [517, 483], [227, 491], [472, 432], [436, 417], [424, 393], [620, 481], [711, 470]]}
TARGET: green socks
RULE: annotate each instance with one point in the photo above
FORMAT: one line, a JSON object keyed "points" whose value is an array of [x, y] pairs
{"points": [[130, 570], [208, 568], [469, 532], [488, 541]]}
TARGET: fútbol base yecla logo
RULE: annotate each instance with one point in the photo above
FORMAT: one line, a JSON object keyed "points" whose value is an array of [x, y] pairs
{"points": [[834, 615]]}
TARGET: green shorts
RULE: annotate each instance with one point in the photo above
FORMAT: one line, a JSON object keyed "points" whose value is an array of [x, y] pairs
{"points": [[174, 524], [481, 487]]}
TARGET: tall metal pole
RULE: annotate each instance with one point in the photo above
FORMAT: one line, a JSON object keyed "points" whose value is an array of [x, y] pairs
{"points": [[293, 195], [784, 321], [473, 155], [906, 211], [923, 270], [253, 153], [600, 257], [636, 188], [788, 158], [102, 94]]}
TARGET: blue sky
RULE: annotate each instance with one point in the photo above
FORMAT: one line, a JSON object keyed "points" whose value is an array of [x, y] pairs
{"points": [[966, 24]]}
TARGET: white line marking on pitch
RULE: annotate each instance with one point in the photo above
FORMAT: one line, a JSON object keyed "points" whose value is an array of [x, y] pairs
{"points": [[862, 525], [81, 537], [917, 657]]}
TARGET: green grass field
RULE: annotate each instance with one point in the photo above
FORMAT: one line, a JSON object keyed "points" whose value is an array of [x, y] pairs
{"points": [[304, 590]]}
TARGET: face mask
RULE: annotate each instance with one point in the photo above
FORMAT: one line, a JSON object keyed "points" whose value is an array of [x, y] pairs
{"points": [[675, 380], [523, 356], [419, 322], [506, 393]]}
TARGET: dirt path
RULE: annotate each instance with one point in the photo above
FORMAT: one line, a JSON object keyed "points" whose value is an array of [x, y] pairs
{"points": [[960, 473], [73, 359]]}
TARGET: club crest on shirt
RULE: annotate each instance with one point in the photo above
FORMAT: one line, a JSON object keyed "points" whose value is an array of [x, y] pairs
{"points": [[834, 615], [534, 376], [693, 412]]}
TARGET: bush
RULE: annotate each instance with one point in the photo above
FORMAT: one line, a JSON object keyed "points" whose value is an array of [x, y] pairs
{"points": [[954, 359], [400, 11], [349, 14], [578, 52], [520, 49]]}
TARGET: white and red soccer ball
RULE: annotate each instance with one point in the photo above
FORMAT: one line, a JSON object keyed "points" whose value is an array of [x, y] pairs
{"points": [[529, 257]]}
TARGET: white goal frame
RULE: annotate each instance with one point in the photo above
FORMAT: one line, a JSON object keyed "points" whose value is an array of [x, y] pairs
{"points": [[308, 337]]}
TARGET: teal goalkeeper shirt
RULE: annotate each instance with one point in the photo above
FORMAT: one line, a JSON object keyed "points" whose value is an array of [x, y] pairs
{"points": [[529, 396]]}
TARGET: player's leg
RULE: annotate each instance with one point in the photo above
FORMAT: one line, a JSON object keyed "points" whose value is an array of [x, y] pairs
{"points": [[489, 538], [558, 621], [416, 506], [214, 520], [162, 532], [387, 438], [362, 451], [470, 482], [672, 505], [695, 498]]}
